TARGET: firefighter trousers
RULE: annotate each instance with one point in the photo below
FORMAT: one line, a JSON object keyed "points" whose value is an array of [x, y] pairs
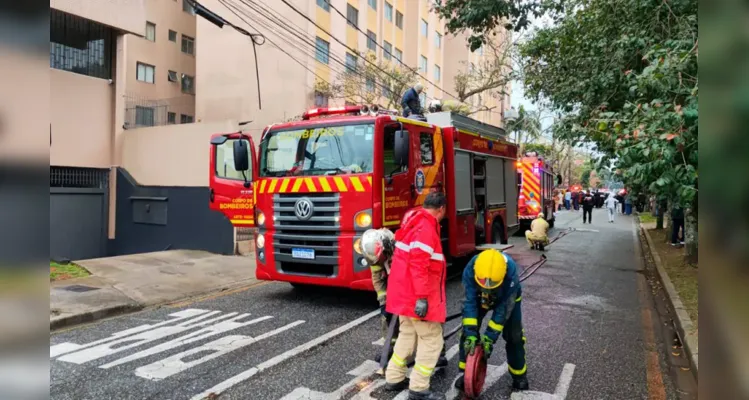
{"points": [[425, 337], [514, 337], [531, 238]]}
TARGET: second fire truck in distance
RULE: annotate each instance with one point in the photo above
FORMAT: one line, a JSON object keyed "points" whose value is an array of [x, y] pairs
{"points": [[536, 190], [318, 184]]}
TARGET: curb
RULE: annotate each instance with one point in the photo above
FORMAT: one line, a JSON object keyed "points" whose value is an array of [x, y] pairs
{"points": [[683, 321], [92, 316]]}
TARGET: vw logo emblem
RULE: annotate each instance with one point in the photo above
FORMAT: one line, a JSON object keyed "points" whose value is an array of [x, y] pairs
{"points": [[303, 209]]}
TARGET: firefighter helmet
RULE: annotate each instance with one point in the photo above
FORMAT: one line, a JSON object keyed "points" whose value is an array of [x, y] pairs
{"points": [[540, 215], [490, 269]]}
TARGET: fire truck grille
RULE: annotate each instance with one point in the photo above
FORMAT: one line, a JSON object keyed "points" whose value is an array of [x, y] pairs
{"points": [[319, 232]]}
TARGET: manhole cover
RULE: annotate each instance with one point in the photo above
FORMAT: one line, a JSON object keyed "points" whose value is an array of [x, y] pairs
{"points": [[79, 288]]}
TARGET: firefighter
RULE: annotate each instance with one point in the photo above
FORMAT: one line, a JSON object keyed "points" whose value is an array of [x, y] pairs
{"points": [[416, 293], [538, 231], [411, 103], [377, 246], [491, 283]]}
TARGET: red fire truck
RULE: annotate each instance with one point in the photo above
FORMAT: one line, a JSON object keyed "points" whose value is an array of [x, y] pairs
{"points": [[316, 185], [536, 190]]}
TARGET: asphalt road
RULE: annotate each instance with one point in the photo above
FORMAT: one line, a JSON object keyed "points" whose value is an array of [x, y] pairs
{"points": [[588, 316]]}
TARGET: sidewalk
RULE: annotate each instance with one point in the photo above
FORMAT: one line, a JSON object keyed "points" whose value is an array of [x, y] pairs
{"points": [[129, 283]]}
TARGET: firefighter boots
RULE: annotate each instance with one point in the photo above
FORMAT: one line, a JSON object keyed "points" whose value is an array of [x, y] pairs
{"points": [[460, 383], [519, 382], [396, 387], [425, 395]]}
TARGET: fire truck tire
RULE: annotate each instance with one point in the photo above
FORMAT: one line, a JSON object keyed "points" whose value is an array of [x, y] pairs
{"points": [[551, 222], [498, 233]]}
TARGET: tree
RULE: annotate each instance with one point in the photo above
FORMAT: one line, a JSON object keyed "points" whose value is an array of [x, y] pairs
{"points": [[483, 17], [526, 128], [491, 76], [373, 82], [624, 72]]}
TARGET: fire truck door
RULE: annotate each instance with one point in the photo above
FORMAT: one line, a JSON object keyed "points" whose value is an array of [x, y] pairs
{"points": [[233, 165], [427, 163], [396, 188]]}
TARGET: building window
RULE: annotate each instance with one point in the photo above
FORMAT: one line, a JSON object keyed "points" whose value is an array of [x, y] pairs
{"points": [[388, 11], [322, 51], [324, 5], [145, 73], [372, 41], [350, 62], [187, 7], [321, 100], [172, 36], [352, 15], [424, 28], [373, 4], [188, 45], [437, 73], [427, 148], [387, 53], [398, 19], [398, 54], [188, 84], [151, 31], [370, 82], [437, 40], [172, 76], [171, 118], [422, 64], [143, 116], [185, 119], [80, 46]]}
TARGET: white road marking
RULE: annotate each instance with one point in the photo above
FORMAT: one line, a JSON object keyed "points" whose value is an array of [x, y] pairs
{"points": [[63, 348], [216, 329], [560, 393], [243, 376], [139, 339], [172, 365], [493, 374], [367, 368], [379, 342]]}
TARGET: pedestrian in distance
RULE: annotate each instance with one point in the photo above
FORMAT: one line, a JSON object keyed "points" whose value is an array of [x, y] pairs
{"points": [[567, 199], [588, 203], [410, 102], [416, 293], [628, 204], [575, 201], [491, 283], [677, 223], [611, 203]]}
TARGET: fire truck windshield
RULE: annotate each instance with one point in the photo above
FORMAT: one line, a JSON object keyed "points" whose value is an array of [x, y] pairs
{"points": [[329, 150]]}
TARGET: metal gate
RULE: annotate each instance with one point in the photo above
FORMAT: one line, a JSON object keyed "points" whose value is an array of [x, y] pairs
{"points": [[78, 212]]}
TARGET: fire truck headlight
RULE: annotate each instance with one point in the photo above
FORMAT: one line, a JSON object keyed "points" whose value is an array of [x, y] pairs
{"points": [[363, 219], [260, 218], [260, 241], [357, 246]]}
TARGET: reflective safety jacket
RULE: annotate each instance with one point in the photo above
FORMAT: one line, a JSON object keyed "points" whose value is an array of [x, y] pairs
{"points": [[478, 301], [418, 270]]}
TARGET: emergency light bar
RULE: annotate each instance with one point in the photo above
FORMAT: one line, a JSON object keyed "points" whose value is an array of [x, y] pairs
{"points": [[346, 110]]}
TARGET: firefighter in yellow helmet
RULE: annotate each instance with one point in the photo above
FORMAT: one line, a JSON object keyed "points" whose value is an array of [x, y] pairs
{"points": [[538, 231], [491, 284]]}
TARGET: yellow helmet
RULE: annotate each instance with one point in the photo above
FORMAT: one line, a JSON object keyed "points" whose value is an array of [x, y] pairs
{"points": [[540, 215], [490, 269]]}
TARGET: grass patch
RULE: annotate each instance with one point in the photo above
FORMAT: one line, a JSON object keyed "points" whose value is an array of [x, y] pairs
{"points": [[682, 275], [647, 218], [59, 272]]}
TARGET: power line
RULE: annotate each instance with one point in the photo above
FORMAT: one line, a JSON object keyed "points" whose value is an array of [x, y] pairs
{"points": [[414, 70]]}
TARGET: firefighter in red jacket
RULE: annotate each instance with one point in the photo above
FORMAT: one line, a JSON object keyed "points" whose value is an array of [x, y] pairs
{"points": [[416, 293]]}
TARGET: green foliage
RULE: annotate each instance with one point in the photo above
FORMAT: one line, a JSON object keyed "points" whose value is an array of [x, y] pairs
{"points": [[483, 17], [624, 73]]}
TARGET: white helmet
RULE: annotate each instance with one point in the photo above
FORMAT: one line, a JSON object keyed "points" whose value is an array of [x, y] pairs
{"points": [[377, 245], [435, 105]]}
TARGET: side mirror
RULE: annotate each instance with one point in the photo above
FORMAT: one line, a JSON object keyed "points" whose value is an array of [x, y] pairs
{"points": [[241, 155], [401, 148]]}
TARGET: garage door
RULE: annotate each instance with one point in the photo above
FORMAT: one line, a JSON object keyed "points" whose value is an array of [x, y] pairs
{"points": [[78, 213]]}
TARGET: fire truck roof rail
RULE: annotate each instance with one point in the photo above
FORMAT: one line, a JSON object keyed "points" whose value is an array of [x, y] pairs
{"points": [[450, 119]]}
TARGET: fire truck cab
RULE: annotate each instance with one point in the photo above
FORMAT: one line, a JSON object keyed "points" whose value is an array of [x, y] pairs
{"points": [[314, 186]]}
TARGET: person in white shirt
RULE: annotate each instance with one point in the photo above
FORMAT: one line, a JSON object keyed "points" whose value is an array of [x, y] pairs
{"points": [[610, 204]]}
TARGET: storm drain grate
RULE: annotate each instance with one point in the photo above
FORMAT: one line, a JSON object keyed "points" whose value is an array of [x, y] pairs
{"points": [[79, 288]]}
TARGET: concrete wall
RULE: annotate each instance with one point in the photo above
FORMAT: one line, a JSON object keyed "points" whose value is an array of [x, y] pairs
{"points": [[82, 120], [171, 155], [125, 15]]}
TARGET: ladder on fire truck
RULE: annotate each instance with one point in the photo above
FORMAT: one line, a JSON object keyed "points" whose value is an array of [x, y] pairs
{"points": [[450, 119]]}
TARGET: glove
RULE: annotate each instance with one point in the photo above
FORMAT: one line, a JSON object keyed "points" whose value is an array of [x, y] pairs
{"points": [[469, 344], [421, 308], [488, 344]]}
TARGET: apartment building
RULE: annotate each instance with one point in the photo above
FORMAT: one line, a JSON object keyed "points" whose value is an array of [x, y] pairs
{"points": [[161, 89]]}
